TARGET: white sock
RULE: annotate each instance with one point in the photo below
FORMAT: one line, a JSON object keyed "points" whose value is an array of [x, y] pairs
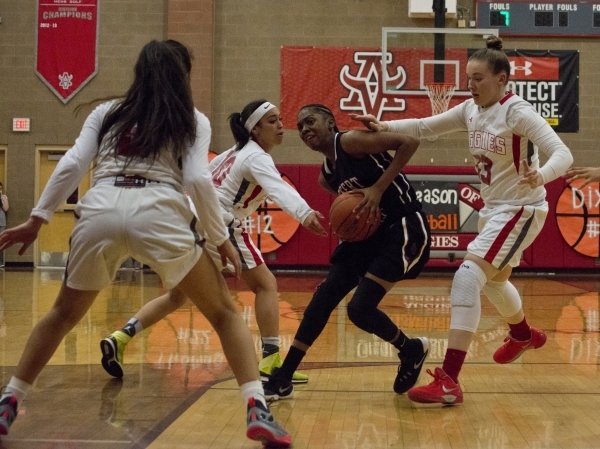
{"points": [[137, 324], [253, 389], [17, 387], [270, 341]]}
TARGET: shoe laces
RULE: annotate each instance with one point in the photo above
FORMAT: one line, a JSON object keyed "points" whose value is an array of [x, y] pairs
{"points": [[437, 375]]}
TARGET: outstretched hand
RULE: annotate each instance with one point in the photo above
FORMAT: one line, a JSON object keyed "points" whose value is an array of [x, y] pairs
{"points": [[531, 177], [25, 233], [370, 122], [589, 174], [228, 252], [313, 224]]}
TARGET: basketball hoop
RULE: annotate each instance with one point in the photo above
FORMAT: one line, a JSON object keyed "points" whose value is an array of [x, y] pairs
{"points": [[439, 95]]}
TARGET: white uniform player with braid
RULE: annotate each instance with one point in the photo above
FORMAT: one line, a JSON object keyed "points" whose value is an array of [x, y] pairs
{"points": [[243, 176], [504, 135]]}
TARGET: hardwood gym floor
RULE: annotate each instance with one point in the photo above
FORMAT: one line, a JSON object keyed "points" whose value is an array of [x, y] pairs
{"points": [[179, 393]]}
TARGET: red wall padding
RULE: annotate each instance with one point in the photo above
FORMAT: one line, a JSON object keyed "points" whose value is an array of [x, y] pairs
{"points": [[304, 249]]}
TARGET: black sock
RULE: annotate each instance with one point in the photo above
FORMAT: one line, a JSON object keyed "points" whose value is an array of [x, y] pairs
{"points": [[404, 344], [291, 362]]}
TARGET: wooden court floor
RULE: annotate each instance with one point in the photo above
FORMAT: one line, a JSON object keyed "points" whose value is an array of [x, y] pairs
{"points": [[178, 391]]}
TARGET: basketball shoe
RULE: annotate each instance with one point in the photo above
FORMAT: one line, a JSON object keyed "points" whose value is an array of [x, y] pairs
{"points": [[278, 388], [112, 348], [512, 349], [410, 366], [8, 413], [267, 364], [443, 390], [263, 427]]}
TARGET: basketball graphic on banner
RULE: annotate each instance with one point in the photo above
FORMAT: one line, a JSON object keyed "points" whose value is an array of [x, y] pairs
{"points": [[269, 226], [578, 217]]}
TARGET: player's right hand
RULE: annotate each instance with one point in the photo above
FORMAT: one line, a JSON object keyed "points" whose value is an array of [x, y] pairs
{"points": [[228, 252], [25, 233], [370, 122], [589, 174]]}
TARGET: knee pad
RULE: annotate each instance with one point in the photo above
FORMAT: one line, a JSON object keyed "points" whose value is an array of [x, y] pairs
{"points": [[504, 296], [465, 296]]}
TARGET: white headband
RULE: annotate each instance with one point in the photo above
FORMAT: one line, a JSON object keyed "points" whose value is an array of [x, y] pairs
{"points": [[257, 115]]}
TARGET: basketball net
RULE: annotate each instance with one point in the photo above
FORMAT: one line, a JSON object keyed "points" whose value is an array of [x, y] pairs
{"points": [[439, 95]]}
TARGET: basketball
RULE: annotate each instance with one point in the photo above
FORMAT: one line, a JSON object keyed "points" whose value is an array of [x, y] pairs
{"points": [[345, 224]]}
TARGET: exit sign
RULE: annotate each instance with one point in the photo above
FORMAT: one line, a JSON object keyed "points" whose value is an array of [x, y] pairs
{"points": [[21, 124]]}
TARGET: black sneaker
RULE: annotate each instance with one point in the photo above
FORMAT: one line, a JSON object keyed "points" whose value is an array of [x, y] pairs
{"points": [[263, 427], [277, 387], [8, 413], [411, 366]]}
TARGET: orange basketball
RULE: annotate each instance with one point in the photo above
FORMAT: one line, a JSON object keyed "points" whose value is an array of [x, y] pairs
{"points": [[345, 223]]}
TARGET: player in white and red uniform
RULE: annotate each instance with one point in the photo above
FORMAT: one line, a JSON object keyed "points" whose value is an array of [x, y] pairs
{"points": [[146, 147], [244, 176], [504, 135]]}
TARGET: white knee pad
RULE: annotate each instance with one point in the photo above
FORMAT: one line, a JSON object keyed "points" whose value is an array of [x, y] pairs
{"points": [[504, 296], [465, 296]]}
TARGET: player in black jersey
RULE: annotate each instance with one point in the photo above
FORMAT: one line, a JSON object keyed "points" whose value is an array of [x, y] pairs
{"points": [[360, 161]]}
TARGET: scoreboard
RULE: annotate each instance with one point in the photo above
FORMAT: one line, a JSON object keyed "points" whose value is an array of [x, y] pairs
{"points": [[549, 18]]}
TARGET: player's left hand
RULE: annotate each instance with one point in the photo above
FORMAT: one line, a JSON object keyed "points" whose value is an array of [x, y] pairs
{"points": [[313, 224], [369, 204], [531, 177], [370, 122]]}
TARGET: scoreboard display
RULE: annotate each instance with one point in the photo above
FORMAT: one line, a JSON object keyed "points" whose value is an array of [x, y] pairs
{"points": [[550, 18]]}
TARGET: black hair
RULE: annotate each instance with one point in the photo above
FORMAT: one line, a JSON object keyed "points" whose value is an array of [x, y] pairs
{"points": [[322, 110], [494, 56], [237, 120], [157, 112]]}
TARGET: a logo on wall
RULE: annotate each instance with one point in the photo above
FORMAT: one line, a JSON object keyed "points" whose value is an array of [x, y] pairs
{"points": [[350, 80], [365, 95], [549, 81], [578, 217]]}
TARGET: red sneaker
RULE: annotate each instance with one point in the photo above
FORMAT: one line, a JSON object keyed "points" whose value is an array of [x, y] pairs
{"points": [[443, 390], [512, 349]]}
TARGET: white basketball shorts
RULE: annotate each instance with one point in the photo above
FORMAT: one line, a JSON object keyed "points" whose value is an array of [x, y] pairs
{"points": [[249, 254], [152, 224], [506, 231]]}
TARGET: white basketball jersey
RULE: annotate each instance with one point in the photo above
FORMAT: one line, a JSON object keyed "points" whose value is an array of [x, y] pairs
{"points": [[498, 149], [245, 178], [499, 138]]}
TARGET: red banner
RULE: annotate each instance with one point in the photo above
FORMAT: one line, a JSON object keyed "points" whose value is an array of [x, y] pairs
{"points": [[66, 45], [350, 80]]}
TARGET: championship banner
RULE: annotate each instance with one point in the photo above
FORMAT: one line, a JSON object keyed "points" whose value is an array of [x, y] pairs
{"points": [[350, 80], [66, 45]]}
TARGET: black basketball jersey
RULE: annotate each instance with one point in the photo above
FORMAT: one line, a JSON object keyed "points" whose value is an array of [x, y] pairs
{"points": [[351, 173]]}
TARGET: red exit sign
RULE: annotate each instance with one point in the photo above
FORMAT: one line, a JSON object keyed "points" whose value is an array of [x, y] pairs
{"points": [[21, 124]]}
